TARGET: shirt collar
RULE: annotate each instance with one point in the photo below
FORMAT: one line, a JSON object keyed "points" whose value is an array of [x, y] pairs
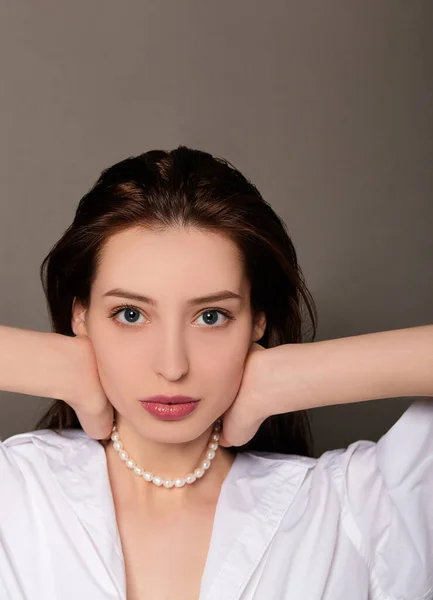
{"points": [[255, 495]]}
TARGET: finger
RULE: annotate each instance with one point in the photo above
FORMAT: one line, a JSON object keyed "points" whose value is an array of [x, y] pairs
{"points": [[240, 432], [97, 426], [224, 443]]}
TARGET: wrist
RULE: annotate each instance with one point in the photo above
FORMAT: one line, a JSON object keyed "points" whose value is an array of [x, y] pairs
{"points": [[301, 377], [63, 366]]}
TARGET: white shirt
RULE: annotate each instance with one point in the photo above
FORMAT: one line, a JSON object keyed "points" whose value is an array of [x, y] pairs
{"points": [[354, 524]]}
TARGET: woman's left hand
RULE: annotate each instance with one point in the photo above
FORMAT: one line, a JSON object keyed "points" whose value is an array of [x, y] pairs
{"points": [[281, 379], [245, 415]]}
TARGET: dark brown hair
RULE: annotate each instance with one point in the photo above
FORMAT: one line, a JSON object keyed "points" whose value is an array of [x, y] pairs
{"points": [[192, 189]]}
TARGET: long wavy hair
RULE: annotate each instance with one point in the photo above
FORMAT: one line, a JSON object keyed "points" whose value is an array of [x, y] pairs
{"points": [[192, 189]]}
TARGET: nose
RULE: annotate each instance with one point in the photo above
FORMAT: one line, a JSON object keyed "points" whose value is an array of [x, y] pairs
{"points": [[171, 358]]}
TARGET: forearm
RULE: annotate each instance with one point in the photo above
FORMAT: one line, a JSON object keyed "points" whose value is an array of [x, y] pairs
{"points": [[385, 364], [33, 362]]}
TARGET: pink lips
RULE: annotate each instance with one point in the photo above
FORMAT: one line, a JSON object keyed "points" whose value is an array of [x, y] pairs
{"points": [[170, 408]]}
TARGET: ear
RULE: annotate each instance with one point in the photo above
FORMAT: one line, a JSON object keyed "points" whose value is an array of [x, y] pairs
{"points": [[78, 318], [259, 327]]}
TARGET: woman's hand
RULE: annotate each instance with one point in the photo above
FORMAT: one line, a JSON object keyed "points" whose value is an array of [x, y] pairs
{"points": [[85, 393], [245, 415], [275, 380]]}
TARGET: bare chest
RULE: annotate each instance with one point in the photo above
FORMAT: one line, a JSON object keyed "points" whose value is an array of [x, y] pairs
{"points": [[165, 555]]}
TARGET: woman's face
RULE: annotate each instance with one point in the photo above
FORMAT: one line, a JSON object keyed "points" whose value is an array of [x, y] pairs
{"points": [[174, 346]]}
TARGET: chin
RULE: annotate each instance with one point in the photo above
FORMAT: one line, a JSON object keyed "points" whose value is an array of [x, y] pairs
{"points": [[177, 432]]}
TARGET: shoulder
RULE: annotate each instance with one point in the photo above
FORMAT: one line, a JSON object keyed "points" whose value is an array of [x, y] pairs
{"points": [[39, 464], [275, 460], [278, 470], [44, 444], [45, 438], [260, 462]]}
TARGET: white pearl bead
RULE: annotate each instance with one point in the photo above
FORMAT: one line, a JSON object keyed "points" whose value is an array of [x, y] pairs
{"points": [[123, 455], [130, 463], [206, 464], [199, 473], [157, 480], [210, 454], [179, 482], [215, 437], [190, 478], [138, 471], [213, 446], [115, 436], [148, 476], [168, 483], [118, 446]]}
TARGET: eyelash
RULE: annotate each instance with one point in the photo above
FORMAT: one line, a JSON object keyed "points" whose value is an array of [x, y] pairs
{"points": [[119, 309]]}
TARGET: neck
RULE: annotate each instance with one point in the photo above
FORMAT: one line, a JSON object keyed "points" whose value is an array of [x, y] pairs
{"points": [[168, 461]]}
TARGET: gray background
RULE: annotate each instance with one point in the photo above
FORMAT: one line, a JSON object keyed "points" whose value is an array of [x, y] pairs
{"points": [[325, 106]]}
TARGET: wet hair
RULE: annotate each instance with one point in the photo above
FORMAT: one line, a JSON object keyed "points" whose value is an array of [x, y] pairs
{"points": [[187, 188]]}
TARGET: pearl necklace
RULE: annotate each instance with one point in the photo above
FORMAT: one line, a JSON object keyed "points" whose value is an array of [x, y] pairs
{"points": [[160, 481]]}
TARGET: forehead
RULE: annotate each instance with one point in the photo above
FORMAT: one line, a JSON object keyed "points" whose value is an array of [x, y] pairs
{"points": [[198, 260]]}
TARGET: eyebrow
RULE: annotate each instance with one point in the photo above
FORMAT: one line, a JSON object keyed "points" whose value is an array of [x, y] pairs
{"points": [[223, 295]]}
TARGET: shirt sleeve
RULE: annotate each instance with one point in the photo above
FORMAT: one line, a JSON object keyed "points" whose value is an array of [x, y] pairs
{"points": [[11, 481], [386, 490]]}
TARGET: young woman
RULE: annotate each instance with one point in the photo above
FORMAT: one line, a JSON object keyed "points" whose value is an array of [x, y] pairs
{"points": [[177, 280]]}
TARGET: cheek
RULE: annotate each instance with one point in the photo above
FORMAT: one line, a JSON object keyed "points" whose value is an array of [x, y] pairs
{"points": [[119, 365], [222, 375], [113, 373]]}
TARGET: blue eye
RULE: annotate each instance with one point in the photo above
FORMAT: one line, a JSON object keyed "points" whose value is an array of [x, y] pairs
{"points": [[206, 313], [131, 313]]}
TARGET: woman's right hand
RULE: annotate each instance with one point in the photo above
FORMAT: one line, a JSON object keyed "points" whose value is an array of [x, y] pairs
{"points": [[86, 395]]}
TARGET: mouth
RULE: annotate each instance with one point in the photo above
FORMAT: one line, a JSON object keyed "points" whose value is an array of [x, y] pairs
{"points": [[169, 400], [170, 412]]}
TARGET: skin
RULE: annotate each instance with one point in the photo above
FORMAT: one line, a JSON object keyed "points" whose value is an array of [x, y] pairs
{"points": [[172, 348]]}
